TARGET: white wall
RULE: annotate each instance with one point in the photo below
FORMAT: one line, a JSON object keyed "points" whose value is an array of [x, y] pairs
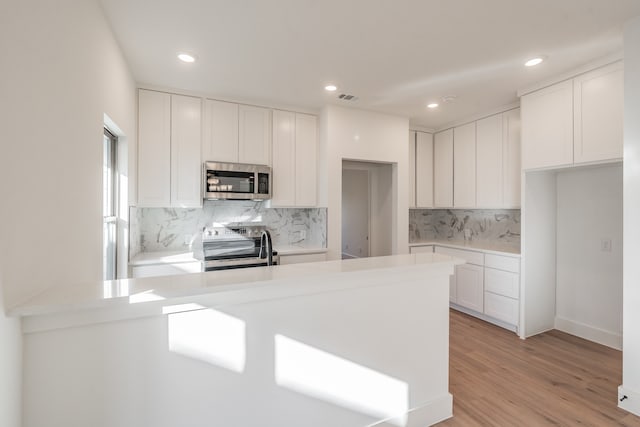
{"points": [[589, 280], [65, 72], [631, 313], [10, 369], [367, 136]]}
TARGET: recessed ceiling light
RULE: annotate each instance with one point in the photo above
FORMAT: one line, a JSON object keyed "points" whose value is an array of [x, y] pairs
{"points": [[185, 57], [330, 88], [433, 105], [533, 61]]}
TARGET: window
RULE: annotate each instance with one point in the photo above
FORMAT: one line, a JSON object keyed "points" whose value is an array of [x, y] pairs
{"points": [[109, 206]]}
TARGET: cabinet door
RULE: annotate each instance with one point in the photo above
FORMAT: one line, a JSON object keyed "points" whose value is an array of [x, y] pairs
{"points": [[547, 127], [421, 249], [470, 287], [186, 143], [464, 166], [489, 162], [453, 292], [254, 135], [154, 149], [284, 158], [306, 161], [220, 142], [424, 170], [412, 169], [443, 169], [511, 158], [598, 114]]}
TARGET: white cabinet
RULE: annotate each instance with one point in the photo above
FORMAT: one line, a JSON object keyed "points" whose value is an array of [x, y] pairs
{"points": [[547, 126], [498, 161], [254, 135], [169, 141], [412, 169], [294, 159], [302, 258], [464, 166], [154, 149], [575, 121], [186, 139], [154, 270], [443, 169], [421, 249], [489, 174], [424, 170], [470, 287], [598, 114], [502, 288], [220, 133], [511, 167]]}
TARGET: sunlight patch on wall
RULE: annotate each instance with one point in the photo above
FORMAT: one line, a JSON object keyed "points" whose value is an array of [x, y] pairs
{"points": [[324, 376]]}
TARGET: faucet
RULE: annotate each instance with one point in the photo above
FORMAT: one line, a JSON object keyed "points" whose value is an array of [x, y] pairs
{"points": [[265, 246]]}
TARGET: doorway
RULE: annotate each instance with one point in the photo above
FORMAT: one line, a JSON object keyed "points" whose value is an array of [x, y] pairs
{"points": [[367, 205]]}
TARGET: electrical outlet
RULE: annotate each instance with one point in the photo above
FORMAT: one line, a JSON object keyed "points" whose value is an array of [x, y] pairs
{"points": [[605, 244], [187, 239], [302, 234]]}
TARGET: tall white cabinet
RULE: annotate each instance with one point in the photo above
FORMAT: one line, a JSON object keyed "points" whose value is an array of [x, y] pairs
{"points": [[254, 135], [169, 149], [443, 169], [464, 169], [294, 159], [412, 169]]}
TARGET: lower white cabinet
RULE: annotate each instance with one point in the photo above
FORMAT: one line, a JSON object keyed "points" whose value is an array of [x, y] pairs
{"points": [[301, 258], [470, 287], [501, 308], [421, 249], [153, 270]]}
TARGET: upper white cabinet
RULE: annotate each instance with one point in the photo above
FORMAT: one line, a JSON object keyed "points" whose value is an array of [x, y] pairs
{"points": [[498, 161], [424, 170], [220, 133], [254, 135], [443, 169], [574, 121], [547, 127], [464, 169], [169, 141], [294, 159], [412, 169], [154, 149], [236, 133], [186, 139], [598, 114]]}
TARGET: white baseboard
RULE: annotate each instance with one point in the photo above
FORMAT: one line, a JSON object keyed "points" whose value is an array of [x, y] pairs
{"points": [[632, 401], [591, 333], [424, 415]]}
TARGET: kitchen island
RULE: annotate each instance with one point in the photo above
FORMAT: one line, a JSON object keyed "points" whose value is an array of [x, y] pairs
{"points": [[359, 342]]}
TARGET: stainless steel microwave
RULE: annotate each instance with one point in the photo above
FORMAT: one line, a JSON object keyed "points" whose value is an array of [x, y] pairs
{"points": [[236, 181]]}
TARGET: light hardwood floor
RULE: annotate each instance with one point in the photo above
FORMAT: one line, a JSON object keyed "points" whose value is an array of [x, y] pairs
{"points": [[553, 379]]}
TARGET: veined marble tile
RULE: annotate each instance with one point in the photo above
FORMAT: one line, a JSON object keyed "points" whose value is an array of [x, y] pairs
{"points": [[134, 231], [177, 228], [501, 226]]}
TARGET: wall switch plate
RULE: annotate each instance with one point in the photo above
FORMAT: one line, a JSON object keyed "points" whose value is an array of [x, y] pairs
{"points": [[187, 239], [605, 244], [302, 234]]}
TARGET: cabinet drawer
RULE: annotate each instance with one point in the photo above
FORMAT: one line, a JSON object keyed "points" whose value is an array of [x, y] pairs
{"points": [[505, 263], [154, 270], [421, 249], [471, 257], [302, 258], [502, 282], [501, 308]]}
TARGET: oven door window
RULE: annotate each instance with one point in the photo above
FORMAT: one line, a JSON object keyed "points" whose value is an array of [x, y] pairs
{"points": [[230, 182], [231, 249]]}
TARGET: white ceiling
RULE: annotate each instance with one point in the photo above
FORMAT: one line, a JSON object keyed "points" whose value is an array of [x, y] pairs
{"points": [[394, 55]]}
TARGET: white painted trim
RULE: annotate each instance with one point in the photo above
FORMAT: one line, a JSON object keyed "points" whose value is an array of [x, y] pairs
{"points": [[481, 316], [237, 100], [600, 62], [632, 402], [419, 128], [591, 333], [480, 116], [426, 414]]}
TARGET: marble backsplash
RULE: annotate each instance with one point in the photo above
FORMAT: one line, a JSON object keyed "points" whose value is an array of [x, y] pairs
{"points": [[135, 217], [166, 229], [498, 226]]}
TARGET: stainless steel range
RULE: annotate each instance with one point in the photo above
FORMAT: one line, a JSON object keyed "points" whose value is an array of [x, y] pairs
{"points": [[227, 247]]}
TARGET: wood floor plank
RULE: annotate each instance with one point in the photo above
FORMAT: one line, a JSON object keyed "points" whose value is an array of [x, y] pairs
{"points": [[552, 379]]}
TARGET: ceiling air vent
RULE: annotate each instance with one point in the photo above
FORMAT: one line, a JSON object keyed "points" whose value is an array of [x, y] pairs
{"points": [[347, 97]]}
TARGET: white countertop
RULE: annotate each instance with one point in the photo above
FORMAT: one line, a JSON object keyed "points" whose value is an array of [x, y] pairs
{"points": [[481, 246], [127, 292], [177, 257]]}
